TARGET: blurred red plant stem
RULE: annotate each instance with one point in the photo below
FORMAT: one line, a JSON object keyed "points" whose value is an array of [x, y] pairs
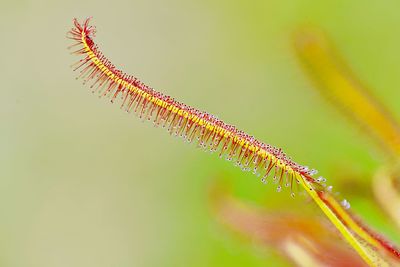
{"points": [[385, 185], [305, 240], [356, 225]]}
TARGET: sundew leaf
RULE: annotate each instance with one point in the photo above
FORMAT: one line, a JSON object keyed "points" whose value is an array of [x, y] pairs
{"points": [[209, 132]]}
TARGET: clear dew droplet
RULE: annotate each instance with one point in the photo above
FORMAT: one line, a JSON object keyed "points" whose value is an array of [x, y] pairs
{"points": [[320, 179], [345, 204], [279, 188]]}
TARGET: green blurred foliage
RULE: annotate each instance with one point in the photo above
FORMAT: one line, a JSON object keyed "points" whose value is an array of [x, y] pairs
{"points": [[84, 184]]}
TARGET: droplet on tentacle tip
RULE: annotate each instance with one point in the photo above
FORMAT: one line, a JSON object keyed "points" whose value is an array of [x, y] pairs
{"points": [[320, 180], [345, 204]]}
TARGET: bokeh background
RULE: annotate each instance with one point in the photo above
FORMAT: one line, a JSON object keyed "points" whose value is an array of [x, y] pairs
{"points": [[85, 184]]}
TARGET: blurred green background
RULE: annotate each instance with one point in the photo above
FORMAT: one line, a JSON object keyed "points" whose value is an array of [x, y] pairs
{"points": [[85, 184]]}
